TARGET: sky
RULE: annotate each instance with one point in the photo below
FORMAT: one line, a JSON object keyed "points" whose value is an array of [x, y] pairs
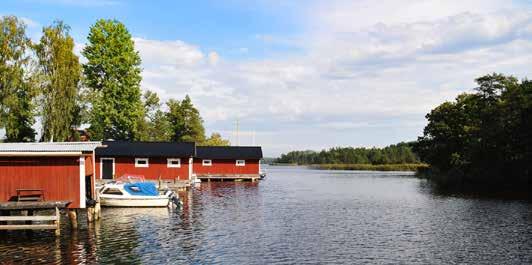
{"points": [[308, 74]]}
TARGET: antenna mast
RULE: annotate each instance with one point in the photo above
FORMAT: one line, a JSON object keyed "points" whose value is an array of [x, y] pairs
{"points": [[237, 129]]}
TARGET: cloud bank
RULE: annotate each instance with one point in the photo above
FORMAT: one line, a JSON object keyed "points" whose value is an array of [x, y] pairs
{"points": [[368, 74]]}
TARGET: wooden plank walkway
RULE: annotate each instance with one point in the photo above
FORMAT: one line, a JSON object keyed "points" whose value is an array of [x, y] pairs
{"points": [[228, 177], [32, 205]]}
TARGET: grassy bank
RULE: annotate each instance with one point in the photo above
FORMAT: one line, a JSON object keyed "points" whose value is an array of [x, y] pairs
{"points": [[384, 167]]}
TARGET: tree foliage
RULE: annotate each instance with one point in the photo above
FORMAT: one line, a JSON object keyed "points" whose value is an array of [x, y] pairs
{"points": [[482, 137], [60, 74], [16, 86], [394, 154], [215, 140], [110, 102], [113, 75], [156, 125], [186, 122]]}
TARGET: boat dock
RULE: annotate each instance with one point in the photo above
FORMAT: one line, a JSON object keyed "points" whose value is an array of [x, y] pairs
{"points": [[228, 177], [26, 220]]}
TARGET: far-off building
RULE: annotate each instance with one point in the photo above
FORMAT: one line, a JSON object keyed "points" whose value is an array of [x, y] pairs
{"points": [[177, 161]]}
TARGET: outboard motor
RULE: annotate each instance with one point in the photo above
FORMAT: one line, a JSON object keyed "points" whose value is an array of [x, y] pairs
{"points": [[174, 199]]}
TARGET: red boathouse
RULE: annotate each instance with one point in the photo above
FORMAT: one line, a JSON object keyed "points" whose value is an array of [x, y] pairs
{"points": [[218, 162], [55, 171], [153, 160]]}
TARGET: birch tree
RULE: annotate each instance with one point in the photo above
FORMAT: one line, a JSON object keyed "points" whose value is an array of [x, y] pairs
{"points": [[60, 74]]}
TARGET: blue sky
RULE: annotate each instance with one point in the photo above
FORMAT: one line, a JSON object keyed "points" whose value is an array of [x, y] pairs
{"points": [[309, 74], [224, 26]]}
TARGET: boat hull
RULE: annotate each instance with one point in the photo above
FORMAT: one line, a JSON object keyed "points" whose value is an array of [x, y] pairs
{"points": [[134, 202]]}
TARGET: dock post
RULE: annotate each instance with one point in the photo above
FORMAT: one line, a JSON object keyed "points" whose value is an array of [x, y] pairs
{"points": [[97, 211], [73, 215], [57, 222], [90, 214]]}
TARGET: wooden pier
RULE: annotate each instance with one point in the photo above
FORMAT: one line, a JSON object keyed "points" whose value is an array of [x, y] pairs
{"points": [[229, 177], [26, 222]]}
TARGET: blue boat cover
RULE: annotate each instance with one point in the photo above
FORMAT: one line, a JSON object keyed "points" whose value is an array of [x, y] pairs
{"points": [[141, 188]]}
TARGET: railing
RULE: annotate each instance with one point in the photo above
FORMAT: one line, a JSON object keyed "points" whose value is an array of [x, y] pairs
{"points": [[26, 220], [53, 222]]}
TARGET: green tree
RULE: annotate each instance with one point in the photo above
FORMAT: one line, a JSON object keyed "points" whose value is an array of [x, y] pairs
{"points": [[400, 153], [60, 74], [157, 126], [216, 140], [186, 122], [16, 86], [113, 75], [481, 138]]}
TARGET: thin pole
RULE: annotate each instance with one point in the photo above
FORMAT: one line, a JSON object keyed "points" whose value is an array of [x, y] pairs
{"points": [[237, 128], [253, 138]]}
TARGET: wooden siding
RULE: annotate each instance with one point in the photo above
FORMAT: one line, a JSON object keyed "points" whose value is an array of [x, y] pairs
{"points": [[58, 177], [157, 167], [226, 167], [89, 171]]}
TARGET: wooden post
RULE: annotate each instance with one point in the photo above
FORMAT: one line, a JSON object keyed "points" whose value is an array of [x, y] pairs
{"points": [[90, 214], [73, 215], [97, 211], [57, 222], [28, 213]]}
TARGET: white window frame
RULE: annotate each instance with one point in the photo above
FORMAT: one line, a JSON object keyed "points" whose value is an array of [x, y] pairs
{"points": [[240, 163], [170, 160], [206, 162], [142, 165]]}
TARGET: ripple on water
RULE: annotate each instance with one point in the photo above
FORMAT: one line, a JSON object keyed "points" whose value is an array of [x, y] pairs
{"points": [[296, 216]]}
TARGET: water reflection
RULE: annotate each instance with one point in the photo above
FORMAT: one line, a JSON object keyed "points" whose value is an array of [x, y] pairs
{"points": [[296, 216]]}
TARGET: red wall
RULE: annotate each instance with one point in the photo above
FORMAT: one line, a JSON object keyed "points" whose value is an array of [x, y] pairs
{"points": [[157, 167], [225, 167], [58, 177]]}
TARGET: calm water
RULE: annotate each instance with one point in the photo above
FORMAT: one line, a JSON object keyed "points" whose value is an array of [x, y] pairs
{"points": [[297, 216]]}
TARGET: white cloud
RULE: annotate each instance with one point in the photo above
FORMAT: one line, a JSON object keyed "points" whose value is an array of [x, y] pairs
{"points": [[214, 58], [368, 73], [175, 53]]}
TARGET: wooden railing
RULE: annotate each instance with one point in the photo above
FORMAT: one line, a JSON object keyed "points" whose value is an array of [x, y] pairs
{"points": [[53, 222], [25, 220]]}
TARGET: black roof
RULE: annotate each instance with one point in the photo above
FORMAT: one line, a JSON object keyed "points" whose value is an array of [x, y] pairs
{"points": [[147, 149], [229, 152]]}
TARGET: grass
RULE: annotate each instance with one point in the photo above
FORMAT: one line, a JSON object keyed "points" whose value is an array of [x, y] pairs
{"points": [[371, 167]]}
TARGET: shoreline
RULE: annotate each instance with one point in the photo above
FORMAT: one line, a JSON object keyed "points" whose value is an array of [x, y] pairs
{"points": [[370, 167]]}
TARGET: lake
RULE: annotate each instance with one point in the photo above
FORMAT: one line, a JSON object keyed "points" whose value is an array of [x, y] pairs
{"points": [[297, 216]]}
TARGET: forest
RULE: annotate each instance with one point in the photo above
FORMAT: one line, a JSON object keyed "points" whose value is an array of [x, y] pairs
{"points": [[45, 80], [482, 138], [400, 153]]}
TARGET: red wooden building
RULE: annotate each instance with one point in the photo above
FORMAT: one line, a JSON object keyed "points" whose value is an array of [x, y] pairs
{"points": [[229, 161], [153, 160], [57, 171]]}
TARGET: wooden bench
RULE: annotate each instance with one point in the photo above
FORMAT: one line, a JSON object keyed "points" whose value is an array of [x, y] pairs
{"points": [[30, 195]]}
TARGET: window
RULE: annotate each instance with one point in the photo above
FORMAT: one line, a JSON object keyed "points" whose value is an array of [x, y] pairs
{"points": [[240, 163], [207, 162], [112, 191], [141, 162], [173, 162]]}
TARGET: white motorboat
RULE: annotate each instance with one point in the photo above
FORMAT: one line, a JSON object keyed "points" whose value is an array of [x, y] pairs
{"points": [[135, 194]]}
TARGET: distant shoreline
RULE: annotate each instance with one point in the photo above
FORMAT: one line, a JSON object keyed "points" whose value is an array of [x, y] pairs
{"points": [[369, 167]]}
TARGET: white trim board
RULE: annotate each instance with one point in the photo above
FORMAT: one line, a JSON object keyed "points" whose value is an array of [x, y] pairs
{"points": [[82, 184]]}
